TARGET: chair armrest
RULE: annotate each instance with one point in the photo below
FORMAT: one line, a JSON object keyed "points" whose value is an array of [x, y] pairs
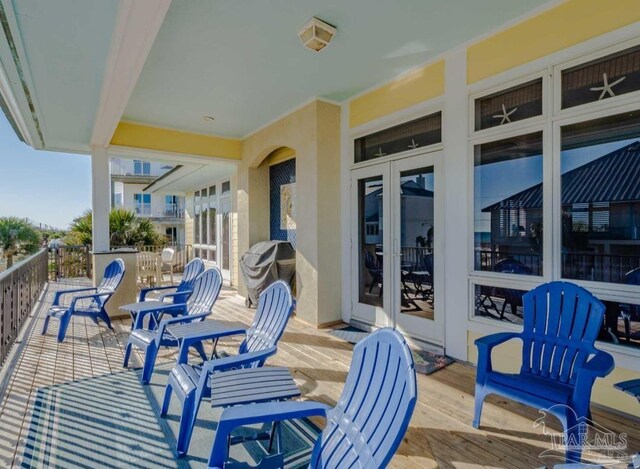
{"points": [[156, 312], [234, 417], [145, 291], [236, 361], [183, 319], [485, 345], [87, 297], [177, 295], [59, 294], [600, 365]]}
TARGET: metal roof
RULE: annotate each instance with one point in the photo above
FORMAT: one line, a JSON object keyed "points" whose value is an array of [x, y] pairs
{"points": [[614, 177]]}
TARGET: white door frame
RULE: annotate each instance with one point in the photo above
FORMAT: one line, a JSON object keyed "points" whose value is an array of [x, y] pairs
{"points": [[388, 315], [410, 325], [362, 312]]}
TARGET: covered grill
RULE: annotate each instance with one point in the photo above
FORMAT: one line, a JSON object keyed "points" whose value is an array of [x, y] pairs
{"points": [[263, 264]]}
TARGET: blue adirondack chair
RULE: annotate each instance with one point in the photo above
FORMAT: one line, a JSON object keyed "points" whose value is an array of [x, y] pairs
{"points": [[113, 275], [559, 360], [181, 293], [206, 289], [367, 424], [191, 383]]}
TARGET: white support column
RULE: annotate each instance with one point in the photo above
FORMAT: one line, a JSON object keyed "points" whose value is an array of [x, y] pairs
{"points": [[100, 197], [456, 196]]}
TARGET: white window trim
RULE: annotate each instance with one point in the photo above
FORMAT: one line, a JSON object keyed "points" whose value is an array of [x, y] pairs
{"points": [[551, 124]]}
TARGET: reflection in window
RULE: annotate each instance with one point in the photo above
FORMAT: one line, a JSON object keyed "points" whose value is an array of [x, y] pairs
{"points": [[504, 304], [602, 78], [600, 164], [508, 205], [622, 321], [370, 242], [514, 104]]}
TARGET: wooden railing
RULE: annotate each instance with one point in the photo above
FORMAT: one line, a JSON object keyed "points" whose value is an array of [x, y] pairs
{"points": [[19, 290], [69, 262], [184, 253]]}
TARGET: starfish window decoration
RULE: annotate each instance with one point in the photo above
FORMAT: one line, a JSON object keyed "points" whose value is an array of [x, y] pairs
{"points": [[606, 87], [413, 145], [380, 154], [505, 115]]}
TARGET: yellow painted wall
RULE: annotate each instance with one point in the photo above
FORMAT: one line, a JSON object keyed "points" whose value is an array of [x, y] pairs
{"points": [[412, 88], [133, 135], [506, 357], [566, 25]]}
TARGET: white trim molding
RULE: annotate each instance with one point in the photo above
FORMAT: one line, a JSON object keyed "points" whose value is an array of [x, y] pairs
{"points": [[137, 25]]}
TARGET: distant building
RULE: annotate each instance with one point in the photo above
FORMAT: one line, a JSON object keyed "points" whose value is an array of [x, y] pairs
{"points": [[129, 178]]}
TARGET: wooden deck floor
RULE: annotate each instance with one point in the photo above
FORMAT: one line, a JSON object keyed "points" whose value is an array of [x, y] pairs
{"points": [[440, 434]]}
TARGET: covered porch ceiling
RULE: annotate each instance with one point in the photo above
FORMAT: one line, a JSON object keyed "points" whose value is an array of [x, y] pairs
{"points": [[73, 71]]}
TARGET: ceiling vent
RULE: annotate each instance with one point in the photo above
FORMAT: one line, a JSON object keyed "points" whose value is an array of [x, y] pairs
{"points": [[316, 34]]}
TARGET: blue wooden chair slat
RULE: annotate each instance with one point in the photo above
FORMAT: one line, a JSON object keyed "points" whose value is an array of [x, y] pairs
{"points": [[367, 424], [98, 296], [206, 289], [191, 383], [182, 291], [559, 360]]}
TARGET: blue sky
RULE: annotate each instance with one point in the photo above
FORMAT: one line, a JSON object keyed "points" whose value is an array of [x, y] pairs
{"points": [[47, 187]]}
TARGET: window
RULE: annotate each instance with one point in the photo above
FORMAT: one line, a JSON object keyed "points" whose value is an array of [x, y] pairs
{"points": [[600, 167], [601, 79], [512, 105], [592, 176], [408, 136], [142, 204], [117, 199], [226, 187], [508, 205], [141, 167], [204, 226]]}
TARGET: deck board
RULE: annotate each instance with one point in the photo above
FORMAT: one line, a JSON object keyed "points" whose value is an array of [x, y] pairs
{"points": [[440, 434]]}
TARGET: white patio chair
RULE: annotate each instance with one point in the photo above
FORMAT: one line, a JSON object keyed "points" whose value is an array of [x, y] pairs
{"points": [[168, 262]]}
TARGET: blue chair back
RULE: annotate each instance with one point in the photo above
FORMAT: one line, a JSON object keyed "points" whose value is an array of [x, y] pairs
{"points": [[372, 415], [274, 308], [512, 266], [561, 324], [206, 289], [370, 262], [113, 275], [190, 274]]}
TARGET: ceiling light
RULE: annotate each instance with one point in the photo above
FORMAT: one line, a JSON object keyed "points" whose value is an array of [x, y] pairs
{"points": [[208, 118], [316, 34]]}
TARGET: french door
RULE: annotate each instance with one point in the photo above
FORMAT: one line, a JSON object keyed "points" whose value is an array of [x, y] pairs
{"points": [[396, 244]]}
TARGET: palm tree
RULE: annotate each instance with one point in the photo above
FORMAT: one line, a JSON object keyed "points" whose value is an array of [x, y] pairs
{"points": [[125, 229], [17, 237]]}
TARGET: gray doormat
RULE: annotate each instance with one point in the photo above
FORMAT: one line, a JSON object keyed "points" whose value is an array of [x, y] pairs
{"points": [[425, 362], [113, 421]]}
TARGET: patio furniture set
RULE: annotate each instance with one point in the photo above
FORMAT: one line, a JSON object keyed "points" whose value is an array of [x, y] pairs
{"points": [[559, 367]]}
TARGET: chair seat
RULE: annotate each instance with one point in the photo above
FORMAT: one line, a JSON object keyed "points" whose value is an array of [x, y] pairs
{"points": [[539, 390]]}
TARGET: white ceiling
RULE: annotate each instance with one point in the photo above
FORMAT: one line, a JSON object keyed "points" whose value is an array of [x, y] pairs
{"points": [[242, 62]]}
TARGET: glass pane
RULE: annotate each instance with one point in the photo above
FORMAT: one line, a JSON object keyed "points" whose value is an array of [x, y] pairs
{"points": [[508, 205], [226, 187], [416, 242], [370, 240], [196, 228], [226, 233], [602, 78], [622, 321], [212, 190], [600, 164], [503, 304], [514, 104], [212, 230], [204, 227], [410, 135]]}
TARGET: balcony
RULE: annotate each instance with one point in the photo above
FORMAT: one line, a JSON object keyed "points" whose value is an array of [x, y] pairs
{"points": [[157, 213], [73, 405]]}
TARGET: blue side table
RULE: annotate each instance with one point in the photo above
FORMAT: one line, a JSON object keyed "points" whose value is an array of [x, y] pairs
{"points": [[631, 387]]}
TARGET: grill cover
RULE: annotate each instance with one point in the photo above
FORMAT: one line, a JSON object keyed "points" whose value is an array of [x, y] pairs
{"points": [[263, 264]]}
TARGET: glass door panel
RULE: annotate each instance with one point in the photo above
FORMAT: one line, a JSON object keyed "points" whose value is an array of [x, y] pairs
{"points": [[369, 260], [416, 231]]}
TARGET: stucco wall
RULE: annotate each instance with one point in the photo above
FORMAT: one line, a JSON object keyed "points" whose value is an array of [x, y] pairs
{"points": [[313, 132]]}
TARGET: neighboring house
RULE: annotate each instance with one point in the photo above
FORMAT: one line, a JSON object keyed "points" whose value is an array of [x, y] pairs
{"points": [[129, 178]]}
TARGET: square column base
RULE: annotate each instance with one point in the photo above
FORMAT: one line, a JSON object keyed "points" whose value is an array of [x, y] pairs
{"points": [[127, 291]]}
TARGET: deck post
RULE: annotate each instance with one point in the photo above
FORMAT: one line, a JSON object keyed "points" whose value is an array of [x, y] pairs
{"points": [[100, 198]]}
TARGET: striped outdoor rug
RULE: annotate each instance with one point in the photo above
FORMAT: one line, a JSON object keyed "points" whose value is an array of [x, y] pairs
{"points": [[112, 421]]}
